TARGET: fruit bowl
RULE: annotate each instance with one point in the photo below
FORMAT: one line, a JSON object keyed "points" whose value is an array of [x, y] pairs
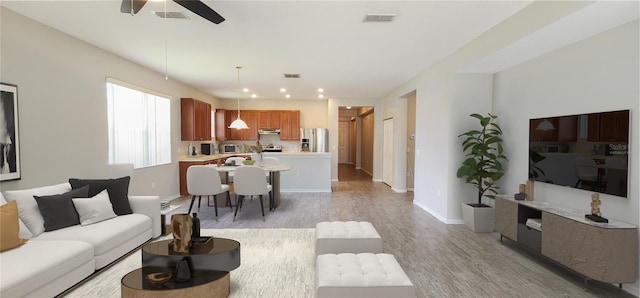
{"points": [[248, 162]]}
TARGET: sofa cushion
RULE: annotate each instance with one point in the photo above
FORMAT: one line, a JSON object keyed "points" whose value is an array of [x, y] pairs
{"points": [[9, 227], [118, 190], [38, 263], [28, 208], [24, 231], [104, 235], [93, 210], [58, 211]]}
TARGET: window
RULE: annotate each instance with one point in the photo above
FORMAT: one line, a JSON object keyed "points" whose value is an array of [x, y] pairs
{"points": [[139, 126]]}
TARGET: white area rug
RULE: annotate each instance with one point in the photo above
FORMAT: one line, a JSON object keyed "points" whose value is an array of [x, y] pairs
{"points": [[273, 263]]}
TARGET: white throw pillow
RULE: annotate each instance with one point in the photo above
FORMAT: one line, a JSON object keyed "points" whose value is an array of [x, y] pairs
{"points": [[24, 231], [28, 207], [94, 209]]}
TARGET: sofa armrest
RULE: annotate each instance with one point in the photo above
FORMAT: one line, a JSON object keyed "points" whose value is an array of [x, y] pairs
{"points": [[149, 206]]}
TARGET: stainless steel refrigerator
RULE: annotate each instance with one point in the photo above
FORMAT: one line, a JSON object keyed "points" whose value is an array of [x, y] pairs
{"points": [[317, 138]]}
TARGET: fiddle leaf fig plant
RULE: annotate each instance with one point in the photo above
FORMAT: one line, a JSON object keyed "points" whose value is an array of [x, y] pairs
{"points": [[484, 156]]}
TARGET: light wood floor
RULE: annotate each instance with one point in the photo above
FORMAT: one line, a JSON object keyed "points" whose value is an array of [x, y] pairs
{"points": [[441, 260]]}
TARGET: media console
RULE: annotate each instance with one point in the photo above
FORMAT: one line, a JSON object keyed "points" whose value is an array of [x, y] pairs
{"points": [[606, 252]]}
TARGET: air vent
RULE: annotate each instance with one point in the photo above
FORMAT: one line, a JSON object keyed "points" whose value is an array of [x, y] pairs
{"points": [[292, 75], [171, 15], [379, 18]]}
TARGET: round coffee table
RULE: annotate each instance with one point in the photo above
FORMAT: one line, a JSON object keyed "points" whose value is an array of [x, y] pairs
{"points": [[224, 256], [210, 276], [202, 284]]}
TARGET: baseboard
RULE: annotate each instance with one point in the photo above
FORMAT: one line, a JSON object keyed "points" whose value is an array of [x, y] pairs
{"points": [[401, 190], [630, 288], [410, 189], [171, 198], [305, 190], [438, 216], [334, 180], [376, 180]]}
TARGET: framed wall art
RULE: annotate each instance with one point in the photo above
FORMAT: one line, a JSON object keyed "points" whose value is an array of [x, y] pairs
{"points": [[9, 137]]}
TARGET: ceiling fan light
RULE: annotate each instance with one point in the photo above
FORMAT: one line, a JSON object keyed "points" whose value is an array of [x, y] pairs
{"points": [[238, 124]]}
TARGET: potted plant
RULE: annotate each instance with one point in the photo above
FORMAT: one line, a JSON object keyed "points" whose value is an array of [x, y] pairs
{"points": [[482, 168]]}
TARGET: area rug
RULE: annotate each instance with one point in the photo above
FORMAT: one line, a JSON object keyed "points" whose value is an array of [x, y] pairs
{"points": [[273, 263]]}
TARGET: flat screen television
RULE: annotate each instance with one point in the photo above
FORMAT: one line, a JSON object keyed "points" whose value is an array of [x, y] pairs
{"points": [[586, 151]]}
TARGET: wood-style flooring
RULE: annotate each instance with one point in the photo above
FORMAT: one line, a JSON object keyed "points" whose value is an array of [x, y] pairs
{"points": [[441, 260]]}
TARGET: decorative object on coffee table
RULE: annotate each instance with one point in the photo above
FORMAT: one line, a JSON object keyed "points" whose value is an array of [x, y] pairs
{"points": [[184, 270], [195, 226], [159, 278], [182, 229]]}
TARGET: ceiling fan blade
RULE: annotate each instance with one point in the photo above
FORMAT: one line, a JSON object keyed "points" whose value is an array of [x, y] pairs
{"points": [[201, 9], [125, 7]]}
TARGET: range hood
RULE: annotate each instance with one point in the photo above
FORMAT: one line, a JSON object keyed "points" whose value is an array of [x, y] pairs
{"points": [[268, 131]]}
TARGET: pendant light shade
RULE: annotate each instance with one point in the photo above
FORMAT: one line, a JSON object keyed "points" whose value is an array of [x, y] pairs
{"points": [[238, 123]]}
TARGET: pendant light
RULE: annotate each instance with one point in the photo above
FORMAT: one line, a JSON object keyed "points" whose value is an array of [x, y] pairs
{"points": [[545, 125], [238, 123]]}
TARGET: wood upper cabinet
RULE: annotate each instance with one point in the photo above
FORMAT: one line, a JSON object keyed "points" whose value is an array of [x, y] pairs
{"points": [[221, 124], [289, 125], [268, 119], [195, 117], [249, 117]]}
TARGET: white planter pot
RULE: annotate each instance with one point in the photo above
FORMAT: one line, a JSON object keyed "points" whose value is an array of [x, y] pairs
{"points": [[479, 219]]}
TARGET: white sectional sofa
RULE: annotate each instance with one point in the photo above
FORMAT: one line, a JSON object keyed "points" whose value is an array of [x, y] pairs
{"points": [[53, 261]]}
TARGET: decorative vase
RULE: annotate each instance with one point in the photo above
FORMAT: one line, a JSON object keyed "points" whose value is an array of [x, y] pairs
{"points": [[195, 228], [184, 270], [182, 229]]}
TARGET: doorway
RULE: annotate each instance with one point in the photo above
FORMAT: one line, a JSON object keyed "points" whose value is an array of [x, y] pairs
{"points": [[355, 143]]}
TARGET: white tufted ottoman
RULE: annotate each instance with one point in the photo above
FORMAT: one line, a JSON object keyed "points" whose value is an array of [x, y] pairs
{"points": [[361, 275], [347, 237]]}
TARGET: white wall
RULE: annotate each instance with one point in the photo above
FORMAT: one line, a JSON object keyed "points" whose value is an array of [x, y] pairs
{"points": [[437, 114], [63, 110], [595, 75]]}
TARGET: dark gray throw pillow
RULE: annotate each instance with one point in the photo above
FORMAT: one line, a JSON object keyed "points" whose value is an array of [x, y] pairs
{"points": [[118, 190], [58, 211]]}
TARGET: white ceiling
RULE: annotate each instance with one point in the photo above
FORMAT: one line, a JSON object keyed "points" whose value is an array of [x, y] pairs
{"points": [[325, 41]]}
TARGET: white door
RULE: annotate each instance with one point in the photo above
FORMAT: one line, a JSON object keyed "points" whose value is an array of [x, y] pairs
{"points": [[387, 152], [343, 137]]}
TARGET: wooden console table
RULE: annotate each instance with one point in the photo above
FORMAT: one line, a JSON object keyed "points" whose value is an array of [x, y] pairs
{"points": [[606, 252]]}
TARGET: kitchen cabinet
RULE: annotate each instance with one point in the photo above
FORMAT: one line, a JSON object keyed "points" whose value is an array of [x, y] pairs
{"points": [[249, 117], [195, 117], [268, 119], [608, 127], [221, 124], [290, 125]]}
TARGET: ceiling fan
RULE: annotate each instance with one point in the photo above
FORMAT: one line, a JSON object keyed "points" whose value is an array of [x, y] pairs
{"points": [[196, 6]]}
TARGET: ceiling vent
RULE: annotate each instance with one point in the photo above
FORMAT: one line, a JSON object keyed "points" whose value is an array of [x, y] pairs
{"points": [[171, 15], [292, 75], [379, 18]]}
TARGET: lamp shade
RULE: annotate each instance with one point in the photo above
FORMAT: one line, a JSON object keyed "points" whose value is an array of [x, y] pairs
{"points": [[238, 124]]}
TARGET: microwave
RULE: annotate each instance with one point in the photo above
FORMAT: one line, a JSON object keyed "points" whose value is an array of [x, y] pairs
{"points": [[229, 148], [208, 149]]}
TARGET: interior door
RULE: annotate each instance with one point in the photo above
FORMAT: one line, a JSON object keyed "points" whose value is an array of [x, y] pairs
{"points": [[343, 141], [387, 152]]}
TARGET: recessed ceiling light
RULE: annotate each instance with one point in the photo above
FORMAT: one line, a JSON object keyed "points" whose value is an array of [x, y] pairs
{"points": [[320, 90], [348, 108], [253, 95], [283, 90], [287, 96], [320, 96], [245, 90]]}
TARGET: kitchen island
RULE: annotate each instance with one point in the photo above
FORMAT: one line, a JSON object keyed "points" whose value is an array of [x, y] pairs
{"points": [[310, 171]]}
